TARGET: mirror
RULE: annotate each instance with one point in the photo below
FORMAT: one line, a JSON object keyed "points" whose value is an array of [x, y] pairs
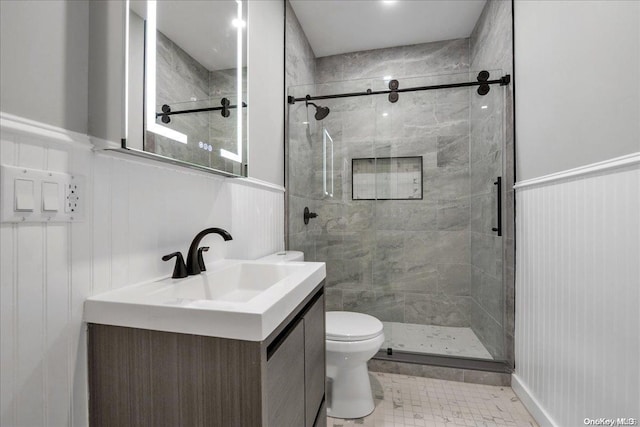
{"points": [[187, 84]]}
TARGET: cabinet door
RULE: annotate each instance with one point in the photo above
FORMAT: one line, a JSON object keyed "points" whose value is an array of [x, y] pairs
{"points": [[314, 355], [285, 381]]}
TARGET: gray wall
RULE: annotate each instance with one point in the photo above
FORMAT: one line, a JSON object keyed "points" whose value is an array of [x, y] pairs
{"points": [[578, 85], [44, 62]]}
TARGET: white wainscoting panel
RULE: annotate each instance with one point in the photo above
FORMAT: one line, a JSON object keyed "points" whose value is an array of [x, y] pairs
{"points": [[137, 211], [578, 294]]}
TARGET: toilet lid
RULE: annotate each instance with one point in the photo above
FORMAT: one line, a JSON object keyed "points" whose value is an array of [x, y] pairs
{"points": [[348, 326]]}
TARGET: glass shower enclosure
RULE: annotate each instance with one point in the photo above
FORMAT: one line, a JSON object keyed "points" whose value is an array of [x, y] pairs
{"points": [[407, 197]]}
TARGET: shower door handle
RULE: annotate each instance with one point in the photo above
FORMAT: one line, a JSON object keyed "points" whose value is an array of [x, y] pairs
{"points": [[498, 183]]}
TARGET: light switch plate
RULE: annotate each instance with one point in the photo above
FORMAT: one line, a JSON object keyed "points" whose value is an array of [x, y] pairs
{"points": [[49, 195], [23, 195]]}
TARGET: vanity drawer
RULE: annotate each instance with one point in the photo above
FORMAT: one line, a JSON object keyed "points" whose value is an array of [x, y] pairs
{"points": [[314, 356], [286, 382]]}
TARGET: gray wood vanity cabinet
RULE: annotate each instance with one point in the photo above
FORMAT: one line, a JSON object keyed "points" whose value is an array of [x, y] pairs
{"points": [[152, 378]]}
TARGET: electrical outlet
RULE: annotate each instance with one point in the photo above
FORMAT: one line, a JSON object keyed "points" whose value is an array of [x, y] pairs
{"points": [[72, 198]]}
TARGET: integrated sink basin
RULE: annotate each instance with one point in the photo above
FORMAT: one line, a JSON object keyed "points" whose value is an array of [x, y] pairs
{"points": [[236, 283], [234, 299]]}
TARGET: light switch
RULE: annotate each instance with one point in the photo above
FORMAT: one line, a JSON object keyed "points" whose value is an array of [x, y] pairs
{"points": [[24, 195], [50, 201]]}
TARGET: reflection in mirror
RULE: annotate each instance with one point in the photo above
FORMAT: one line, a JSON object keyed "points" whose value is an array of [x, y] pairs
{"points": [[187, 82]]}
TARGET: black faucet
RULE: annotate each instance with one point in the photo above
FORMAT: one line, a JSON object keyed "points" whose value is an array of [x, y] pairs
{"points": [[193, 264]]}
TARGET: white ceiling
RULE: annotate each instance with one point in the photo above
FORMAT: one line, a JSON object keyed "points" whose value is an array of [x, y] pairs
{"points": [[340, 26], [201, 28]]}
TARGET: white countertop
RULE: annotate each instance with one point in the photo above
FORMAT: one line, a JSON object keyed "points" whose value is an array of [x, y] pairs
{"points": [[207, 304]]}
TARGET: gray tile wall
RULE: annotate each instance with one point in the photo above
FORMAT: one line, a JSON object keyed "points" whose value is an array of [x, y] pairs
{"points": [[493, 266], [403, 261]]}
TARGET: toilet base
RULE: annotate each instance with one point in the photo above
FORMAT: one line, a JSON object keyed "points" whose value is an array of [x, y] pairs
{"points": [[349, 394]]}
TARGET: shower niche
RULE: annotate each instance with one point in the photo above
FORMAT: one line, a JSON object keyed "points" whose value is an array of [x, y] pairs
{"points": [[387, 178]]}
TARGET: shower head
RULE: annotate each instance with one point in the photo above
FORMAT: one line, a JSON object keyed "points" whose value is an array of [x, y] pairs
{"points": [[321, 112]]}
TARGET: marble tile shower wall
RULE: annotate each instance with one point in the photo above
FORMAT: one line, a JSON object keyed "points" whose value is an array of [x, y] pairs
{"points": [[183, 80], [402, 261], [493, 258]]}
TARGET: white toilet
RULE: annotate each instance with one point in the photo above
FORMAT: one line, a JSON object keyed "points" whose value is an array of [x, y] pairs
{"points": [[352, 339]]}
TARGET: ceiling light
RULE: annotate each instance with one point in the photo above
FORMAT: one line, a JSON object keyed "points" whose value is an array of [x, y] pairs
{"points": [[484, 107], [238, 23], [385, 114], [389, 1]]}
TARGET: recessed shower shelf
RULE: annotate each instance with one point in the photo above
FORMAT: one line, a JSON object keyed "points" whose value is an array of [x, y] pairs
{"points": [[387, 178]]}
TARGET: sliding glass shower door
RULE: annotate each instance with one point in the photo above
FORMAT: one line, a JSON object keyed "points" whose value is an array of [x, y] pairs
{"points": [[406, 204]]}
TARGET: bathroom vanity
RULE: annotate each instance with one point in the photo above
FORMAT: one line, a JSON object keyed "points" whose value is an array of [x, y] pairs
{"points": [[163, 377]]}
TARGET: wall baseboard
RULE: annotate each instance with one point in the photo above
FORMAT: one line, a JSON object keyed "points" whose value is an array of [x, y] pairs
{"points": [[531, 403]]}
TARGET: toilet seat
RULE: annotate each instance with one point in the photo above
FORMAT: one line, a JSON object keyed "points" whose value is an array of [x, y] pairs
{"points": [[348, 326]]}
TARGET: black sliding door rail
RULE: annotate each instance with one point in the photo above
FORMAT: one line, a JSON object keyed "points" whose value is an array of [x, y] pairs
{"points": [[502, 81], [199, 110]]}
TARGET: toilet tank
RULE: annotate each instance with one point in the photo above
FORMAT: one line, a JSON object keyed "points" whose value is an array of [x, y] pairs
{"points": [[285, 256]]}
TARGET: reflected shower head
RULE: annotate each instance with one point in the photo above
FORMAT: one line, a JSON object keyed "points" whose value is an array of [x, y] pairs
{"points": [[321, 112]]}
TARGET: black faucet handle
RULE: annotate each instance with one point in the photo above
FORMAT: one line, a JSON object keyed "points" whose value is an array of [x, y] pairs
{"points": [[180, 269], [308, 215], [201, 259]]}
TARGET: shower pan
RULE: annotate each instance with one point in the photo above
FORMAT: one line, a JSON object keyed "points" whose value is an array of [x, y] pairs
{"points": [[410, 230]]}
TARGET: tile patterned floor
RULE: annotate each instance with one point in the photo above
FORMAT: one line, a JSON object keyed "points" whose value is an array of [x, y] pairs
{"points": [[403, 400], [434, 339]]}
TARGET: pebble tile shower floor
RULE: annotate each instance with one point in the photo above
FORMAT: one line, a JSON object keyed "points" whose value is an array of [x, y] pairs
{"points": [[434, 339], [403, 400]]}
